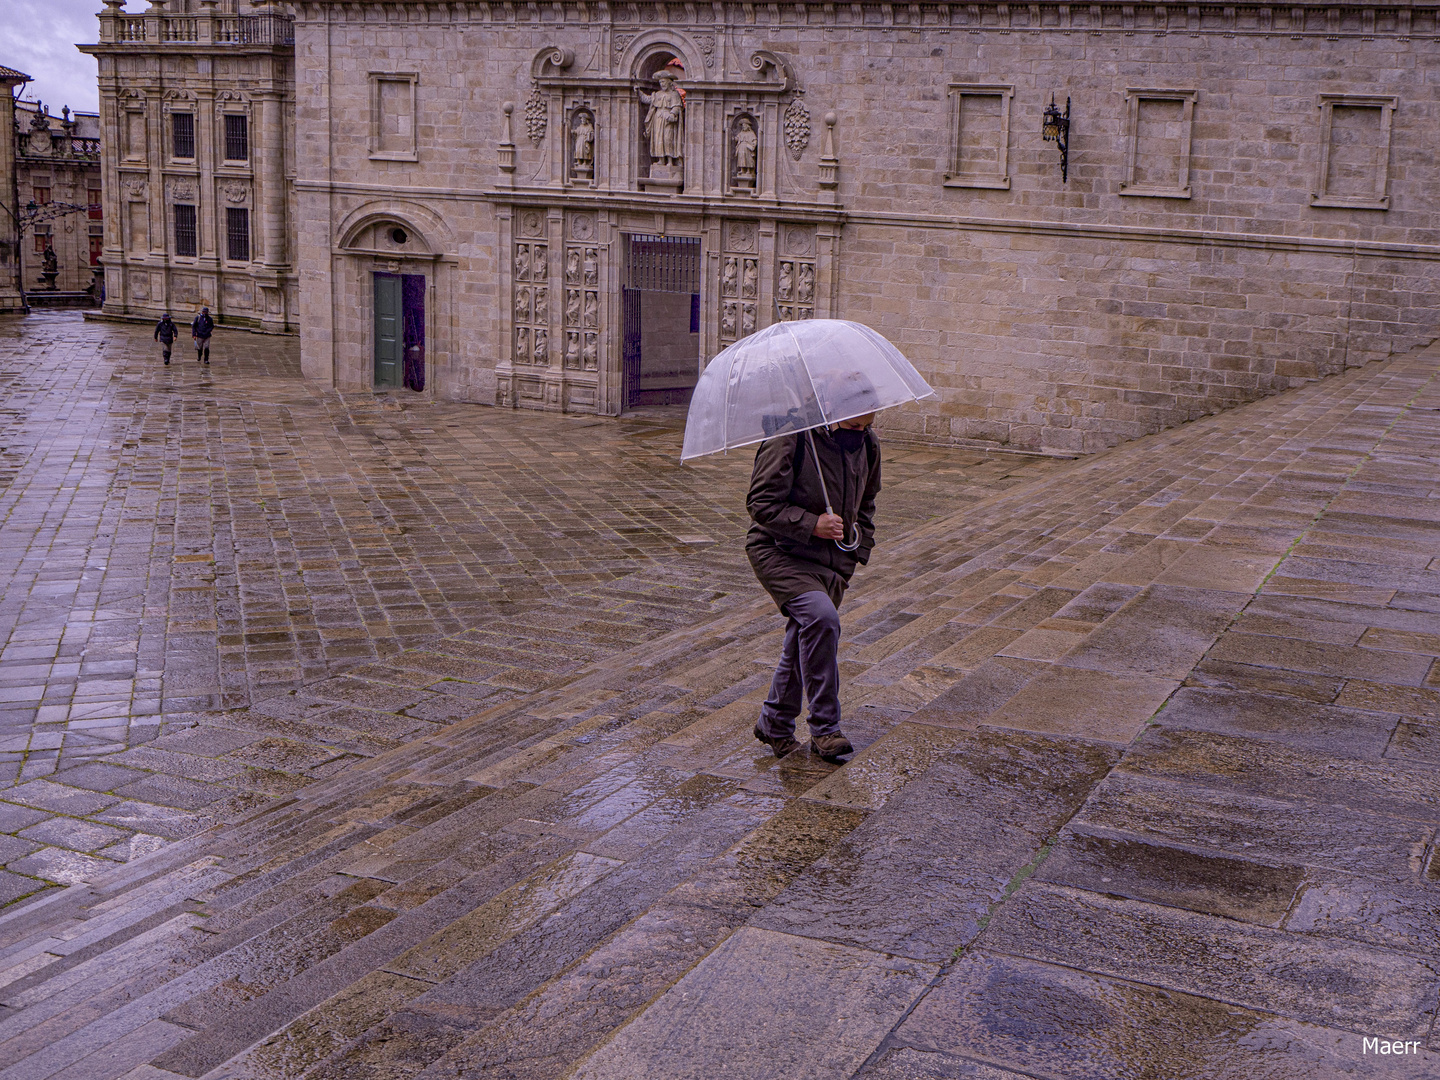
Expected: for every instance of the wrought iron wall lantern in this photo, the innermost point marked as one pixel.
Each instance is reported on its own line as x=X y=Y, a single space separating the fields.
x=1057 y=130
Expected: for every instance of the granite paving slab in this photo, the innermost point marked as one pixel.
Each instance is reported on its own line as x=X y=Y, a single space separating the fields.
x=1270 y=886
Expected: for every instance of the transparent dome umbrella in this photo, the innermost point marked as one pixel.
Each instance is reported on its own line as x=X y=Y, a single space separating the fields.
x=792 y=377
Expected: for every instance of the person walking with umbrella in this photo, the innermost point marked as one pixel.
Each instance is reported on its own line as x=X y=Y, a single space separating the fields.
x=807 y=392
x=798 y=550
x=166 y=332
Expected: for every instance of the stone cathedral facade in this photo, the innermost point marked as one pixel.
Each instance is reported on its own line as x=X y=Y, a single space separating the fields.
x=574 y=204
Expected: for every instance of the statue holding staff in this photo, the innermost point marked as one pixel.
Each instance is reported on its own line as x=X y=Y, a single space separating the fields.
x=664 y=119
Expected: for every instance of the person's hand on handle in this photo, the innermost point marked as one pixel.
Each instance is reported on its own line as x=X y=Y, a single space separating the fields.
x=830 y=527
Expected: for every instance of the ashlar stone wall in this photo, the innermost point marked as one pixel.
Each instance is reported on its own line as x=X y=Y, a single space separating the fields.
x=1250 y=197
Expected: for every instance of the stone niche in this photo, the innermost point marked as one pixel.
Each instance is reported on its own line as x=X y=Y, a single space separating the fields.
x=736 y=172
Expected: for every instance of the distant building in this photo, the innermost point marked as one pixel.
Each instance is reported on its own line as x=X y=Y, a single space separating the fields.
x=11 y=299
x=57 y=163
x=574 y=206
x=197 y=110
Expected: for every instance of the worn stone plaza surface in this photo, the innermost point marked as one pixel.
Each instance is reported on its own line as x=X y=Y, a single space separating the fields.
x=180 y=542
x=1145 y=786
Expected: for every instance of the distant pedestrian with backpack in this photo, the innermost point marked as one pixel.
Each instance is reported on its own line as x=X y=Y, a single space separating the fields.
x=200 y=330
x=166 y=332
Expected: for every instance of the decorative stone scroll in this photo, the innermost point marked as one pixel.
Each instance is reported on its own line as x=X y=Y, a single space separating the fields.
x=797 y=127
x=537 y=116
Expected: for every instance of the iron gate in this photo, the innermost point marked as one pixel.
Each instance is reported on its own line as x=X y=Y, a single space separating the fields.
x=667 y=264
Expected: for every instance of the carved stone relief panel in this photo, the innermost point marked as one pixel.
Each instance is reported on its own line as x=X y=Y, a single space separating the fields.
x=739 y=281
x=531 y=291
x=795 y=273
x=582 y=296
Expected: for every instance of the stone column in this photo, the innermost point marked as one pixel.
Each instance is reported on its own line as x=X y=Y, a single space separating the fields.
x=271 y=172
x=11 y=298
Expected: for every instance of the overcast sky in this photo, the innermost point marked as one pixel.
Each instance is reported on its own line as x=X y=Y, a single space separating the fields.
x=38 y=37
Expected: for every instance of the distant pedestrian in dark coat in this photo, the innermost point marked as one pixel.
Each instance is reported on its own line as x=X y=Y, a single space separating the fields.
x=792 y=550
x=200 y=330
x=166 y=332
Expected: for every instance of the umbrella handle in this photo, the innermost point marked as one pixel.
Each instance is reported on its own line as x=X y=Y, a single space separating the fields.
x=843 y=545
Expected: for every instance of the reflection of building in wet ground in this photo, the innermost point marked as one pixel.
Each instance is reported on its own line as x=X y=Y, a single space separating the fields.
x=1143 y=746
x=1249 y=203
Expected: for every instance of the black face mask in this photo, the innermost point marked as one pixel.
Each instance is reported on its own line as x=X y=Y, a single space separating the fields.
x=849 y=439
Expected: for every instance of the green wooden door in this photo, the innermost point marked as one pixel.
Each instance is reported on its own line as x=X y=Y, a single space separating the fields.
x=388 y=338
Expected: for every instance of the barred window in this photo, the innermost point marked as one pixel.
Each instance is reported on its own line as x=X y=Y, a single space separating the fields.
x=237 y=233
x=182 y=131
x=237 y=137
x=184 y=229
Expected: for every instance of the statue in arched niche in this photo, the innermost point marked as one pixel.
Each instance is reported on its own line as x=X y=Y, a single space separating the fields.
x=747 y=144
x=582 y=157
x=665 y=116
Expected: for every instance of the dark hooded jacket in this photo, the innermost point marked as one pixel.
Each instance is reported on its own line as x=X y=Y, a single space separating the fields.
x=203 y=326
x=785 y=503
x=165 y=331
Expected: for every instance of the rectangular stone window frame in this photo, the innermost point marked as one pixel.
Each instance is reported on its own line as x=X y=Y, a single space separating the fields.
x=129 y=151
x=376 y=79
x=1133 y=97
x=235 y=137
x=1327 y=102
x=1000 y=179
x=182 y=134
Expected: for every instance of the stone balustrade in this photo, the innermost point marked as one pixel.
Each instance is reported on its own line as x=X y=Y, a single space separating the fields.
x=266 y=29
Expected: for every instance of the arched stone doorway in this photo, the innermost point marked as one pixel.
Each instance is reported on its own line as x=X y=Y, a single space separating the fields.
x=389 y=266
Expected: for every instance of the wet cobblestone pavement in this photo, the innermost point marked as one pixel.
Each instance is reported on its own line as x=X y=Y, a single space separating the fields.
x=1145 y=786
x=179 y=542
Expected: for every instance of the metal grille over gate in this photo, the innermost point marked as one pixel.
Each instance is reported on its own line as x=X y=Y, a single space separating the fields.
x=668 y=264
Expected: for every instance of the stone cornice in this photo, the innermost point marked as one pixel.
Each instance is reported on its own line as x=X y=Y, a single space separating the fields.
x=612 y=201
x=946 y=222
x=1360 y=20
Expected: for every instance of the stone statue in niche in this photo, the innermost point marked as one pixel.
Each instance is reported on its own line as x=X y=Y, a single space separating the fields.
x=750 y=282
x=729 y=277
x=572 y=307
x=572 y=266
x=786 y=284
x=522 y=261
x=727 y=321
x=665 y=118
x=522 y=305
x=747 y=319
x=582 y=154
x=805 y=293
x=539 y=265
x=592 y=309
x=572 y=349
x=522 y=344
x=591 y=351
x=592 y=266
x=542 y=347
x=747 y=144
x=542 y=305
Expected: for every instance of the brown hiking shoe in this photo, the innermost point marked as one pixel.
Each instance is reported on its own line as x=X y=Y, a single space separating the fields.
x=780 y=744
x=831 y=746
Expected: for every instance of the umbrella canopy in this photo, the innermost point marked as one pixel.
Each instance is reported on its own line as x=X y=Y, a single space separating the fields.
x=793 y=376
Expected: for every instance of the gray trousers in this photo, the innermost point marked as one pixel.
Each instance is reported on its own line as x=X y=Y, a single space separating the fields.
x=807 y=666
